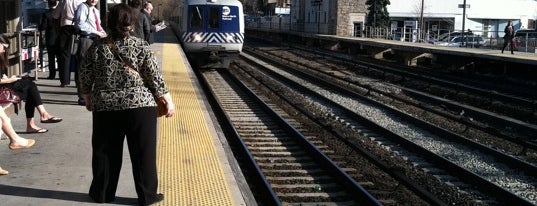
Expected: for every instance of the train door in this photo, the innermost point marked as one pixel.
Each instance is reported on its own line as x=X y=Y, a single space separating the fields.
x=223 y=24
x=222 y=18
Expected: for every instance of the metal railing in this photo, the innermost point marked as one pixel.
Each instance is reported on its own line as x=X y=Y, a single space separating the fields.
x=492 y=39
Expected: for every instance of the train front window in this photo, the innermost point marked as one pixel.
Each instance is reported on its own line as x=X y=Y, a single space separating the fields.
x=196 y=17
x=214 y=17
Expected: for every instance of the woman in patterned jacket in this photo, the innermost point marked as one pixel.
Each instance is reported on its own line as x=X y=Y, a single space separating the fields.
x=122 y=101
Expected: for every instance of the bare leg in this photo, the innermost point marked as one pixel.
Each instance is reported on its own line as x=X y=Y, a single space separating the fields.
x=31 y=126
x=43 y=112
x=44 y=115
x=14 y=138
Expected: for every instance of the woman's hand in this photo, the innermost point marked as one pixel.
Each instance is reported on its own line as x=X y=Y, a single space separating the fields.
x=170 y=107
x=87 y=99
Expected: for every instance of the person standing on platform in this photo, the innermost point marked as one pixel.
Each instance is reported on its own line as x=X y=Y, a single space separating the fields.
x=89 y=22
x=508 y=37
x=120 y=79
x=149 y=35
x=143 y=25
x=66 y=14
x=52 y=29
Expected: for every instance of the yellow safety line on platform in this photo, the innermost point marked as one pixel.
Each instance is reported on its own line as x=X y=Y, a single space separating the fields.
x=188 y=166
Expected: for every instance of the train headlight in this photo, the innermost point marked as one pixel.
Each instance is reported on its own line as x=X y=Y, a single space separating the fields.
x=196 y=37
x=229 y=38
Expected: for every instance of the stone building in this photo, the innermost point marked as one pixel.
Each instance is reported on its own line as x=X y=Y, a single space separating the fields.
x=334 y=17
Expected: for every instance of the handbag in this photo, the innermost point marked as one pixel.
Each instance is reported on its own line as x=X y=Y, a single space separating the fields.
x=161 y=107
x=7 y=95
x=515 y=43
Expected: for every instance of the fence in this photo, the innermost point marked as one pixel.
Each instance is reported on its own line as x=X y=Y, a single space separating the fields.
x=491 y=39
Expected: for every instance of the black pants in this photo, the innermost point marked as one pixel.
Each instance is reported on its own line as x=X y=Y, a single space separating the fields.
x=64 y=55
x=510 y=42
x=83 y=46
x=52 y=52
x=32 y=100
x=27 y=90
x=109 y=131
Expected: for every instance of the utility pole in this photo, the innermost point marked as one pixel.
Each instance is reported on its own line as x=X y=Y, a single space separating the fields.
x=422 y=35
x=374 y=14
x=463 y=18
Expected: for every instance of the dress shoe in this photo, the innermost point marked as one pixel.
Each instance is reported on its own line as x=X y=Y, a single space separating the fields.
x=63 y=85
x=30 y=143
x=51 y=78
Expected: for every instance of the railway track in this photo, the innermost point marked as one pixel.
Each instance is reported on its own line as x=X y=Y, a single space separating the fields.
x=511 y=135
x=429 y=146
x=290 y=169
x=507 y=106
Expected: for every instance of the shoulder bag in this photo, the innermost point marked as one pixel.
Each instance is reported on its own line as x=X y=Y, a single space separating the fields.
x=161 y=107
x=7 y=95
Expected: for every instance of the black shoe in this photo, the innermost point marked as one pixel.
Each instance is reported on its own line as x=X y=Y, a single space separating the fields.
x=81 y=102
x=100 y=200
x=157 y=199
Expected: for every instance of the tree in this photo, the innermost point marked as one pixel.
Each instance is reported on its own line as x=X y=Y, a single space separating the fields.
x=378 y=15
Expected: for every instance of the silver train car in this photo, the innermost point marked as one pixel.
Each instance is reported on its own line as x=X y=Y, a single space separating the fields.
x=212 y=31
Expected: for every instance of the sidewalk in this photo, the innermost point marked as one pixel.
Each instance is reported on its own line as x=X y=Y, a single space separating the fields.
x=57 y=170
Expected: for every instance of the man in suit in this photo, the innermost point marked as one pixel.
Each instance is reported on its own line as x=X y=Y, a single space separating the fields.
x=88 y=21
x=148 y=35
x=66 y=14
x=52 y=29
x=143 y=25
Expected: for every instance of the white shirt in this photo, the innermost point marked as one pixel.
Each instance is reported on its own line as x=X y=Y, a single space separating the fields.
x=66 y=11
x=86 y=20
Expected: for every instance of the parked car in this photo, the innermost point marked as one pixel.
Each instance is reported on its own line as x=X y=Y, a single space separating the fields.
x=460 y=41
x=448 y=35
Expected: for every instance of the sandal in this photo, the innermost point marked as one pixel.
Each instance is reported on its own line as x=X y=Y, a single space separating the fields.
x=52 y=120
x=30 y=143
x=3 y=172
x=40 y=130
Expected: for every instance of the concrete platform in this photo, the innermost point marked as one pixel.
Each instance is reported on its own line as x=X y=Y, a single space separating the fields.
x=57 y=170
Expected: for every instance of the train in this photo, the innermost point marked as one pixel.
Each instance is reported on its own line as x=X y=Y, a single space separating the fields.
x=212 y=32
